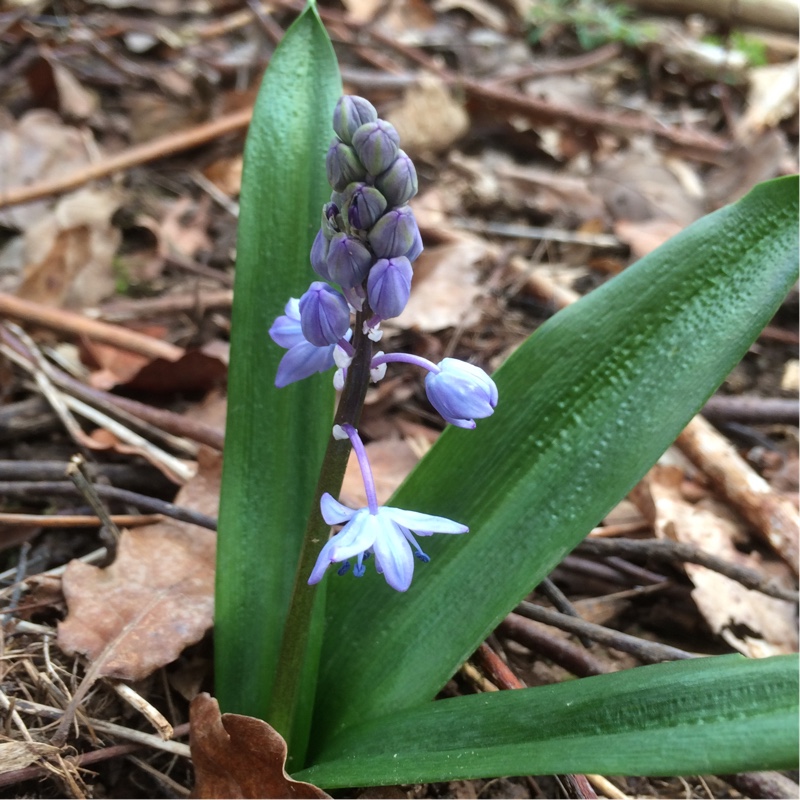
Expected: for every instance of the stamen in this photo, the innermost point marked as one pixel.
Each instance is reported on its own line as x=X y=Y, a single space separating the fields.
x=344 y=568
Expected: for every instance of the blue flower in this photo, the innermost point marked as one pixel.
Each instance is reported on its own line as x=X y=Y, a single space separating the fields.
x=460 y=392
x=303 y=358
x=386 y=534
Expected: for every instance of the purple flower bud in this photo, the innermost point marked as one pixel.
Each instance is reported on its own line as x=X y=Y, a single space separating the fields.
x=329 y=225
x=348 y=260
x=324 y=314
x=416 y=247
x=460 y=392
x=343 y=166
x=319 y=255
x=350 y=114
x=375 y=143
x=399 y=183
x=389 y=285
x=395 y=234
x=365 y=206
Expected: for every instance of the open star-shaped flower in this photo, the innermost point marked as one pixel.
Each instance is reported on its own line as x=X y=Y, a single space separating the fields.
x=386 y=534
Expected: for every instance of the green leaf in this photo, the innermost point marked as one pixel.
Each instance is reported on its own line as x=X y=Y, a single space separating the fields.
x=705 y=716
x=587 y=405
x=275 y=437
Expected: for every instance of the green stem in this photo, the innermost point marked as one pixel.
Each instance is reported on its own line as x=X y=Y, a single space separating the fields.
x=297 y=644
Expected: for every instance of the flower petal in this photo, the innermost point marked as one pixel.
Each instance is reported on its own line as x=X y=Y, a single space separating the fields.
x=322 y=563
x=357 y=536
x=423 y=524
x=301 y=361
x=393 y=557
x=286 y=332
x=333 y=512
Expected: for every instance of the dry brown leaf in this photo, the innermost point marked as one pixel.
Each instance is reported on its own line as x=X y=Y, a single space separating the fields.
x=486 y=13
x=18 y=755
x=361 y=11
x=184 y=228
x=238 y=756
x=772 y=98
x=69 y=252
x=37 y=147
x=445 y=286
x=157 y=598
x=751 y=622
x=644 y=237
x=428 y=118
x=640 y=183
x=226 y=174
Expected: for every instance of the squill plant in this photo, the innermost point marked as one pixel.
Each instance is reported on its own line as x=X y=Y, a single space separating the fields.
x=347 y=669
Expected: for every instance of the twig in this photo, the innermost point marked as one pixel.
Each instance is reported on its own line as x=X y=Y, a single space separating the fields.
x=10 y=707
x=743 y=408
x=34 y=364
x=495 y=668
x=763 y=784
x=177 y=424
x=131 y=157
x=173 y=466
x=22 y=568
x=773 y=517
x=86 y=488
x=174 y=788
x=651 y=652
x=148 y=739
x=606 y=788
x=76 y=520
x=80 y=325
x=541 y=640
x=562 y=66
x=668 y=550
x=122 y=310
x=149 y=712
x=534 y=232
x=560 y=601
x=66 y=489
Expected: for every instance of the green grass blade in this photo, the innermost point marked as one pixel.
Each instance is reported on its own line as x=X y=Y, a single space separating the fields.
x=275 y=437
x=706 y=716
x=587 y=405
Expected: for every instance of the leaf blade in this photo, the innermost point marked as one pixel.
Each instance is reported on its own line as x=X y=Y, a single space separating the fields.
x=275 y=437
x=705 y=716
x=596 y=395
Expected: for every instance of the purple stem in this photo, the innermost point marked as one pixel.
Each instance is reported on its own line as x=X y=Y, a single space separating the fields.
x=363 y=463
x=405 y=358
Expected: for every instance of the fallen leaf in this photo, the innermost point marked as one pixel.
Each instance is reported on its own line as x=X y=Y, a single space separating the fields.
x=445 y=286
x=184 y=227
x=238 y=756
x=36 y=148
x=428 y=118
x=54 y=86
x=18 y=755
x=752 y=623
x=157 y=598
x=772 y=98
x=644 y=237
x=70 y=251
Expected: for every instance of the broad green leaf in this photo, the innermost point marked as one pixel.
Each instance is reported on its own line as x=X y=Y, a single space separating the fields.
x=587 y=405
x=705 y=716
x=275 y=437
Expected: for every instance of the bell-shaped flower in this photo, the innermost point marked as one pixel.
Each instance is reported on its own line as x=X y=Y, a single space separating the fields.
x=343 y=166
x=395 y=234
x=461 y=392
x=389 y=286
x=350 y=114
x=303 y=358
x=376 y=145
x=386 y=534
x=399 y=183
x=348 y=261
x=324 y=314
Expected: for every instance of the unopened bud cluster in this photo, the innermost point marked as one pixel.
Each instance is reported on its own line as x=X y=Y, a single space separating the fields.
x=367 y=242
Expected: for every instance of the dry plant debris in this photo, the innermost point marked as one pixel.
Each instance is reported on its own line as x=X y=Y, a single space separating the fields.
x=545 y=168
x=238 y=756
